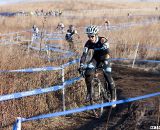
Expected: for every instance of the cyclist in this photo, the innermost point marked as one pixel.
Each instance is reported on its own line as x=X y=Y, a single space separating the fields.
x=107 y=23
x=35 y=32
x=101 y=53
x=69 y=35
x=60 y=27
x=70 y=32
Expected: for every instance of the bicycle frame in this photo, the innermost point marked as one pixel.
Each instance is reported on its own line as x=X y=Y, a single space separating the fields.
x=99 y=91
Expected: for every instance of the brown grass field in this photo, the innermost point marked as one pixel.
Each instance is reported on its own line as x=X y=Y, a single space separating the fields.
x=121 y=41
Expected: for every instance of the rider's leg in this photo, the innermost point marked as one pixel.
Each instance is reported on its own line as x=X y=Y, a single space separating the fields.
x=111 y=84
x=89 y=75
x=71 y=45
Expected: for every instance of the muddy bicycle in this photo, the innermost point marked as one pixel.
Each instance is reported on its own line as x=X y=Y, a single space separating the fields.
x=100 y=92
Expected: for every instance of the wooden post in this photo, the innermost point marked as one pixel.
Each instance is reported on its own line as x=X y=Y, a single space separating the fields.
x=42 y=32
x=158 y=120
x=63 y=91
x=135 y=55
x=48 y=53
x=18 y=124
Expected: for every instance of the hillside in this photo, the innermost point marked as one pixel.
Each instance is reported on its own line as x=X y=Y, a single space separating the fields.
x=131 y=26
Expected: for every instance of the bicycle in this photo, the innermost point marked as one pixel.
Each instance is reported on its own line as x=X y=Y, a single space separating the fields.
x=100 y=92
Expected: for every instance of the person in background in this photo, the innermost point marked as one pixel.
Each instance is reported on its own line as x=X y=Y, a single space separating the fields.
x=35 y=32
x=69 y=36
x=107 y=23
x=60 y=27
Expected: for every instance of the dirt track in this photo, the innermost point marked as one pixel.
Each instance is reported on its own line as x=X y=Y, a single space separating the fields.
x=138 y=115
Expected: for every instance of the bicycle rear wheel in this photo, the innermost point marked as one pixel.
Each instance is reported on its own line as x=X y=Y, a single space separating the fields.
x=97 y=96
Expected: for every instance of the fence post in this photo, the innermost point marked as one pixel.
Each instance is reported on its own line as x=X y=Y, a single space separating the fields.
x=135 y=55
x=17 y=37
x=32 y=39
x=158 y=120
x=63 y=90
x=17 y=125
x=10 y=38
x=48 y=52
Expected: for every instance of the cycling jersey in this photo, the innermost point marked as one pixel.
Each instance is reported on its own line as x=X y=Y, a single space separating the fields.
x=69 y=34
x=35 y=31
x=101 y=49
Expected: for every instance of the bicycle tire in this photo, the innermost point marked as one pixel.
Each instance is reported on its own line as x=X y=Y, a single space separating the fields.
x=97 y=97
x=106 y=93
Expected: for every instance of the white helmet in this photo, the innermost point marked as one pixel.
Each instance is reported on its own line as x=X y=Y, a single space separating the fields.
x=34 y=26
x=92 y=30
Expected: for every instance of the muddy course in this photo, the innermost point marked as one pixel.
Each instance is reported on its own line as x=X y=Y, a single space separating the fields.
x=130 y=82
x=139 y=115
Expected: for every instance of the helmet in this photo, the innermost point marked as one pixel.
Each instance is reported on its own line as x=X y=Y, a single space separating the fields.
x=92 y=30
x=34 y=26
x=71 y=27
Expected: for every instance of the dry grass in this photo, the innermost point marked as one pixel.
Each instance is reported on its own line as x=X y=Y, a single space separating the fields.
x=110 y=9
x=145 y=35
x=17 y=57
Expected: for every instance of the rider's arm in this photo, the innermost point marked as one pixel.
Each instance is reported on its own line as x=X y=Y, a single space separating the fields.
x=76 y=33
x=84 y=55
x=37 y=30
x=105 y=48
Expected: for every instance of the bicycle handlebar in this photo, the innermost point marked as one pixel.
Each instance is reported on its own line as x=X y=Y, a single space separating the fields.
x=83 y=69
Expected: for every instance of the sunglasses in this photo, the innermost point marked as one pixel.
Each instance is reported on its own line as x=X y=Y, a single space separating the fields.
x=91 y=36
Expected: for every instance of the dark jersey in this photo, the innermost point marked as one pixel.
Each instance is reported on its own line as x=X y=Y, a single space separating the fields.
x=101 y=49
x=69 y=34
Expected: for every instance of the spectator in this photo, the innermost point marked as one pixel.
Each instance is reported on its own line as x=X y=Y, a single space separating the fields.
x=35 y=32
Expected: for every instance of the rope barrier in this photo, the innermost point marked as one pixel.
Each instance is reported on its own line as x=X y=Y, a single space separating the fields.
x=31 y=70
x=85 y=108
x=38 y=91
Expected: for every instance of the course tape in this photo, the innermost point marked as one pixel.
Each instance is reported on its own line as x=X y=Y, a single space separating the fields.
x=56 y=39
x=30 y=70
x=54 y=34
x=37 y=91
x=150 y=48
x=86 y=108
x=71 y=62
x=151 y=61
x=11 y=33
x=54 y=45
x=49 y=68
x=8 y=43
x=127 y=25
x=36 y=48
x=57 y=50
x=52 y=48
x=70 y=15
x=140 y=46
x=60 y=57
x=137 y=60
x=124 y=25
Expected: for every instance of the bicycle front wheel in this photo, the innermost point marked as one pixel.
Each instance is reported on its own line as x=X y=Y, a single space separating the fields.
x=97 y=97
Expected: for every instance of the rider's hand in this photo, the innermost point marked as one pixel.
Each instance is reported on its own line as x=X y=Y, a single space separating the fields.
x=81 y=68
